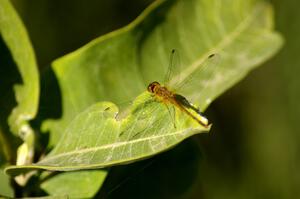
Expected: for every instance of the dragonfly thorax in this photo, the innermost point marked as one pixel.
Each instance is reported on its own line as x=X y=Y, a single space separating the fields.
x=159 y=90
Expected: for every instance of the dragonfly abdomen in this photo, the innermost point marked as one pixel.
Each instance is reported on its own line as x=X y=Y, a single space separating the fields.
x=191 y=110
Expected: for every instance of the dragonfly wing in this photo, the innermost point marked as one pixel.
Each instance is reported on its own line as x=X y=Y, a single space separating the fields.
x=171 y=110
x=149 y=119
x=173 y=68
x=199 y=80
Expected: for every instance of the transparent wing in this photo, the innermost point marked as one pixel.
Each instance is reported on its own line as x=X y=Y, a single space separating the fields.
x=145 y=120
x=198 y=81
x=173 y=68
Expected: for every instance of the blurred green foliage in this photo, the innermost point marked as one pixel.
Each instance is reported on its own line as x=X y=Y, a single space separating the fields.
x=253 y=150
x=261 y=153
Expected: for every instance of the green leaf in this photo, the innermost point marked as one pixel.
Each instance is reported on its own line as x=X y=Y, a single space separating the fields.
x=78 y=184
x=15 y=37
x=118 y=66
x=95 y=139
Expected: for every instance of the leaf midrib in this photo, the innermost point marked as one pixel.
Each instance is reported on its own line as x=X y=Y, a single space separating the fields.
x=113 y=145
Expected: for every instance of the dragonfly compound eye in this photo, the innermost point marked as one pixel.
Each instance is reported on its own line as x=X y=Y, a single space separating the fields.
x=152 y=86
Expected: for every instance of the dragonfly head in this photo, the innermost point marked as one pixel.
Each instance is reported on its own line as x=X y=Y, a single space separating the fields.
x=153 y=86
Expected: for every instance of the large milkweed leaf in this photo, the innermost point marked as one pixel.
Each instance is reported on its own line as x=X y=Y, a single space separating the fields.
x=118 y=66
x=97 y=139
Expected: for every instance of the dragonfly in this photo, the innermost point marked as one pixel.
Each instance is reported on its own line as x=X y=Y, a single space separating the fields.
x=167 y=96
x=146 y=120
x=147 y=117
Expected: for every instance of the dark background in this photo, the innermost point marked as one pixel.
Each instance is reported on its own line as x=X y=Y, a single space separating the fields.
x=253 y=149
